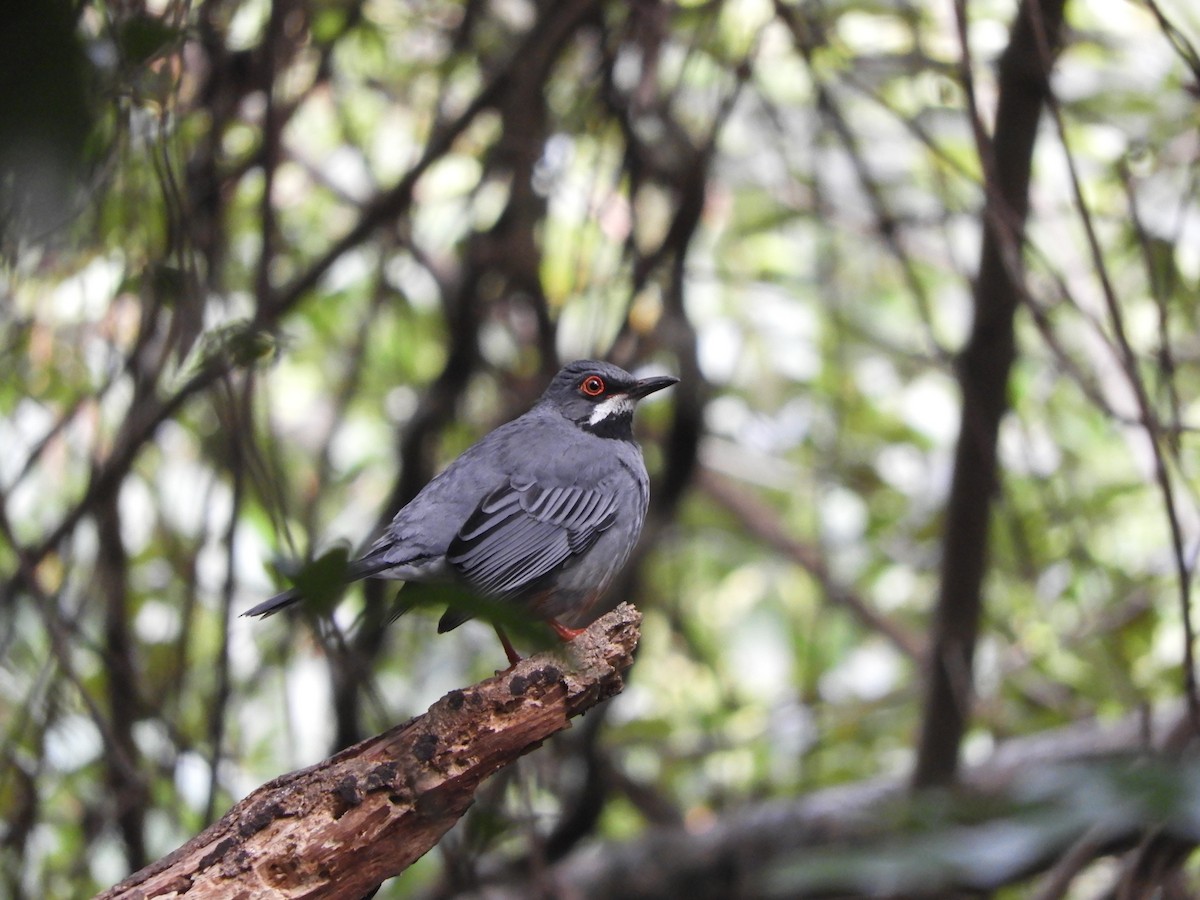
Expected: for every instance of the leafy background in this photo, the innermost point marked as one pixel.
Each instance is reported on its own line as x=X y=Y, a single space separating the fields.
x=268 y=266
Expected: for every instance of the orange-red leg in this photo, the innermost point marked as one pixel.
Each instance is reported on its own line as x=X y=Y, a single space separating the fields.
x=564 y=633
x=513 y=656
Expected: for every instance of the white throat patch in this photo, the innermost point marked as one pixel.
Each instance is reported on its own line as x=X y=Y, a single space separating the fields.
x=612 y=407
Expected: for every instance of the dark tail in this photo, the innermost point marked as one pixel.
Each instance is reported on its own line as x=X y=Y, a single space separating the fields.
x=359 y=568
x=274 y=605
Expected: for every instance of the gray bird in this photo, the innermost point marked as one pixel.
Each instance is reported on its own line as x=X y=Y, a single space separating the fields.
x=542 y=512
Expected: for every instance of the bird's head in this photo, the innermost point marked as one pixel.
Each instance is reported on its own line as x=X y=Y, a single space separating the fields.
x=600 y=397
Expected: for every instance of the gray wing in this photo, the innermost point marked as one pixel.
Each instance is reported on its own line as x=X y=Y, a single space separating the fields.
x=522 y=531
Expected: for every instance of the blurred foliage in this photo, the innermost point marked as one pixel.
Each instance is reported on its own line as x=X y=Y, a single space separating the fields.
x=274 y=263
x=980 y=842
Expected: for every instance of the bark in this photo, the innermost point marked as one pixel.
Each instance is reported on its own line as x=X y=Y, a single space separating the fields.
x=343 y=826
x=983 y=378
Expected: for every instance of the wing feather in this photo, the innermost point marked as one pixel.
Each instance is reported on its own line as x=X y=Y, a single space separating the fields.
x=522 y=532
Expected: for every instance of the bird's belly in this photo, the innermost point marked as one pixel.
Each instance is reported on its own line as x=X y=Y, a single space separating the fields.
x=571 y=593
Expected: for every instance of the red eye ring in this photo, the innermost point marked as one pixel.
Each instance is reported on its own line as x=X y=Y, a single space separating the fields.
x=592 y=386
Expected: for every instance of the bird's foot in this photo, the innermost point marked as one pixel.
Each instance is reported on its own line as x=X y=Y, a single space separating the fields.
x=564 y=633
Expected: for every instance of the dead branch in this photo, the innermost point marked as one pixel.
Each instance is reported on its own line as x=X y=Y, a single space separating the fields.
x=341 y=827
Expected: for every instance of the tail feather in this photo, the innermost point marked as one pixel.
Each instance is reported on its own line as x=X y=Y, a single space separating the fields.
x=452 y=618
x=274 y=605
x=354 y=571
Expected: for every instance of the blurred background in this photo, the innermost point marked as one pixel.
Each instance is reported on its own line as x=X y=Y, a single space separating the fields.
x=268 y=266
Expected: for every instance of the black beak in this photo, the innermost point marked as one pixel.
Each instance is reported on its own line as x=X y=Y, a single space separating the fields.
x=646 y=386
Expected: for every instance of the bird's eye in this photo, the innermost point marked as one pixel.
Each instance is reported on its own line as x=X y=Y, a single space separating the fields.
x=593 y=386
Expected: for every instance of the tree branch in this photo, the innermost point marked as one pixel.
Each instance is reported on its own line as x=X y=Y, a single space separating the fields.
x=984 y=367
x=341 y=827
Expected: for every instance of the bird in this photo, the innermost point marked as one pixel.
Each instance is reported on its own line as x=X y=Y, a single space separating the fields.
x=541 y=512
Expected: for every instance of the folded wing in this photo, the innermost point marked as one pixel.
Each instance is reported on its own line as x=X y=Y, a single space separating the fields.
x=523 y=531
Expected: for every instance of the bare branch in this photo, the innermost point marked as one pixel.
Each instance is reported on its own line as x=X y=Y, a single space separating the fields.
x=1147 y=415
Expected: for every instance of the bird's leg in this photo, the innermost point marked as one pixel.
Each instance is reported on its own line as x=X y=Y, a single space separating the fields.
x=513 y=656
x=564 y=633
